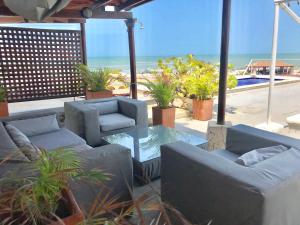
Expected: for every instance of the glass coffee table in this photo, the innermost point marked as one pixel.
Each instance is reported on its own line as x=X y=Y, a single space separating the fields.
x=145 y=143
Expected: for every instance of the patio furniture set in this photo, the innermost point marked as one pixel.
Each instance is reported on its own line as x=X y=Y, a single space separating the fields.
x=224 y=186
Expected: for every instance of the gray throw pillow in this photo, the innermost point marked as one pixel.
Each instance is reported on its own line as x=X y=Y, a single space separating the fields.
x=36 y=126
x=255 y=156
x=23 y=143
x=8 y=149
x=108 y=107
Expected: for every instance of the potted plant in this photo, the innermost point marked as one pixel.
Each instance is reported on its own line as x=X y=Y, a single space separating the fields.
x=202 y=85
x=42 y=195
x=163 y=92
x=3 y=102
x=98 y=83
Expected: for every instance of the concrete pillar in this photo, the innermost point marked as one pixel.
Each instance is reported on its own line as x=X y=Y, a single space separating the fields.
x=216 y=135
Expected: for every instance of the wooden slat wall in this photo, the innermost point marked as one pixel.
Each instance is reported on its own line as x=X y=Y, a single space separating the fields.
x=39 y=64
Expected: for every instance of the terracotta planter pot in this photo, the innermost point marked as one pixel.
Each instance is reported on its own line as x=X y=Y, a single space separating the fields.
x=76 y=214
x=203 y=109
x=165 y=117
x=99 y=94
x=3 y=109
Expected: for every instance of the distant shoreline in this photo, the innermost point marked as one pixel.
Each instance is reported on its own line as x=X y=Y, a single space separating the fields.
x=146 y=63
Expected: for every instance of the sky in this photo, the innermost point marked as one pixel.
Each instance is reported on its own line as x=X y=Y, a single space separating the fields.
x=178 y=27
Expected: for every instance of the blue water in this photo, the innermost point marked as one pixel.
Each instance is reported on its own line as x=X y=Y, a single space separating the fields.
x=145 y=63
x=251 y=81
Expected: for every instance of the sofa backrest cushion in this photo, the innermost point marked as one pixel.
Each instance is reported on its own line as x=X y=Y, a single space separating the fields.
x=36 y=126
x=35 y=114
x=108 y=107
x=24 y=144
x=8 y=148
x=242 y=139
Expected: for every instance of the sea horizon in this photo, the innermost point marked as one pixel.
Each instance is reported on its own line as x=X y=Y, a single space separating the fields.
x=146 y=63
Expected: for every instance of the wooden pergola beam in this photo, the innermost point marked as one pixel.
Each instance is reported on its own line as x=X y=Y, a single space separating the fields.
x=97 y=14
x=75 y=14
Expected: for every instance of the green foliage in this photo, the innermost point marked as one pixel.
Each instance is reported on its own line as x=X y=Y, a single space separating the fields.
x=162 y=91
x=193 y=78
x=2 y=93
x=99 y=79
x=34 y=198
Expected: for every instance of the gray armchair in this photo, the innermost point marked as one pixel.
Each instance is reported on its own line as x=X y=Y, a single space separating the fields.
x=94 y=119
x=207 y=186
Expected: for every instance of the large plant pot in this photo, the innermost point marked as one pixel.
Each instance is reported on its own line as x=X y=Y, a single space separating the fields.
x=165 y=117
x=76 y=215
x=203 y=109
x=99 y=94
x=3 y=109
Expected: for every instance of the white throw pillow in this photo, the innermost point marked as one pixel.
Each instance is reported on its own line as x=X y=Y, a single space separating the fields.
x=255 y=156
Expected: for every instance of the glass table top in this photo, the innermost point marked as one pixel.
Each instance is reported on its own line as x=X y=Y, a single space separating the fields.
x=145 y=143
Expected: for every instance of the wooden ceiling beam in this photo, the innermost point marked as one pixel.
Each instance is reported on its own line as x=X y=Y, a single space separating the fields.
x=11 y=19
x=101 y=3
x=128 y=5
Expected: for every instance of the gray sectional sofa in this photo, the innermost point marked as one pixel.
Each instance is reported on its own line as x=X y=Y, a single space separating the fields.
x=45 y=133
x=94 y=119
x=212 y=186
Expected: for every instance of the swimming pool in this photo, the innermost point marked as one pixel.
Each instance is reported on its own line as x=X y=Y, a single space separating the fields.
x=251 y=81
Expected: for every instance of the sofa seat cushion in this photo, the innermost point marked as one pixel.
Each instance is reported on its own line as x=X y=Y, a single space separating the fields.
x=226 y=154
x=115 y=121
x=58 y=139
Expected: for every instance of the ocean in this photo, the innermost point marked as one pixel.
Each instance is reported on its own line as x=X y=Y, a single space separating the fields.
x=145 y=63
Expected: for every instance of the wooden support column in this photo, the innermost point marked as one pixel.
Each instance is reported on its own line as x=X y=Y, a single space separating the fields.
x=83 y=43
x=224 y=61
x=133 y=78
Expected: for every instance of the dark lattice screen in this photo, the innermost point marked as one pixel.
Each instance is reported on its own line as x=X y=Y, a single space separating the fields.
x=39 y=64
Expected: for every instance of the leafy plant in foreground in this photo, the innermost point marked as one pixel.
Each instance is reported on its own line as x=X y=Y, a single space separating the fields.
x=34 y=198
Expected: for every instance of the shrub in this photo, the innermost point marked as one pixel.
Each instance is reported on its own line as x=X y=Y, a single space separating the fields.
x=162 y=91
x=2 y=94
x=99 y=79
x=193 y=78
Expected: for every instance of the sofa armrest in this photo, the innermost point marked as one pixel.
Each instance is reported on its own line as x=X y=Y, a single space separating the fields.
x=113 y=159
x=205 y=186
x=134 y=109
x=83 y=120
x=242 y=139
x=15 y=169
